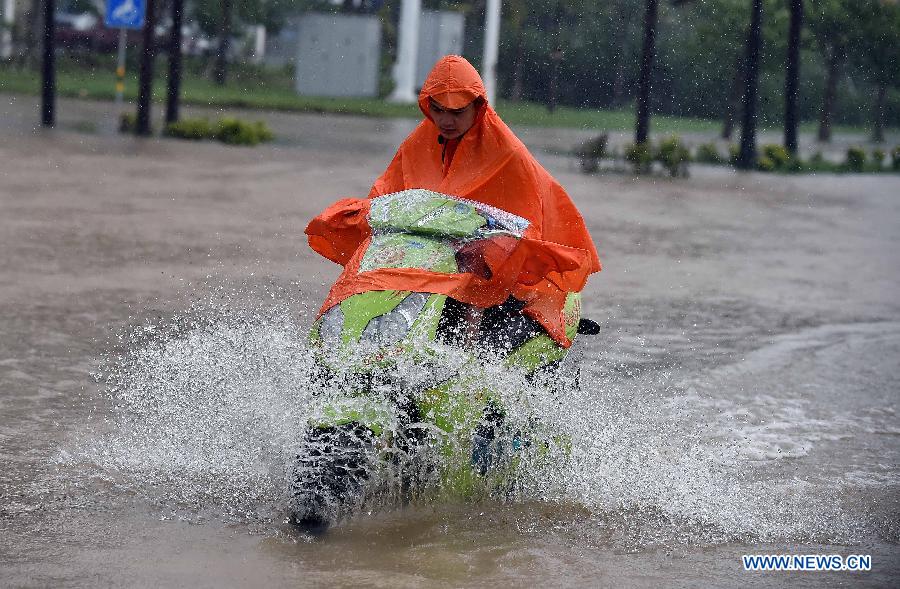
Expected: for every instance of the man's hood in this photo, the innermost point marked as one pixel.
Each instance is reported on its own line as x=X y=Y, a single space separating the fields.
x=453 y=83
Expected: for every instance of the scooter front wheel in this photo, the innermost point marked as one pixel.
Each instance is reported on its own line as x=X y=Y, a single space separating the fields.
x=330 y=474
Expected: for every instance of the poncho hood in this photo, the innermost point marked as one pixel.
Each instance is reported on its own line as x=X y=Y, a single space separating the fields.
x=453 y=83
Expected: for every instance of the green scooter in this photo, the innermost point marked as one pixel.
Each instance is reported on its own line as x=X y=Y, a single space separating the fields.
x=410 y=402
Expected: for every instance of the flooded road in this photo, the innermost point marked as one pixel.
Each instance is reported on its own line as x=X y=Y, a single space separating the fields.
x=742 y=397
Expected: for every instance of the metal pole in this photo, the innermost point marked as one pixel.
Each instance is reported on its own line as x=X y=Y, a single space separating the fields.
x=145 y=86
x=407 y=51
x=491 y=48
x=174 y=88
x=48 y=96
x=9 y=10
x=120 y=70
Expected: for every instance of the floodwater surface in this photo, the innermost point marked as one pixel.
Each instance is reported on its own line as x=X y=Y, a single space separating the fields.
x=742 y=397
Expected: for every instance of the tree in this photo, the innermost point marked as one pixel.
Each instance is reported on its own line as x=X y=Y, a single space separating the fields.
x=648 y=52
x=875 y=48
x=622 y=15
x=221 y=70
x=556 y=55
x=829 y=23
x=29 y=54
x=703 y=47
x=747 y=154
x=792 y=77
x=516 y=14
x=224 y=18
x=271 y=13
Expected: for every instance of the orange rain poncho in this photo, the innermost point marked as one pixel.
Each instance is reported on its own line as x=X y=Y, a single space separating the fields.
x=490 y=165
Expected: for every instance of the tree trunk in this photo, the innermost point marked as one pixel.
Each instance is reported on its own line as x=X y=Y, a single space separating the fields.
x=48 y=86
x=834 y=66
x=734 y=98
x=747 y=155
x=174 y=87
x=878 y=126
x=145 y=79
x=221 y=71
x=792 y=78
x=642 y=132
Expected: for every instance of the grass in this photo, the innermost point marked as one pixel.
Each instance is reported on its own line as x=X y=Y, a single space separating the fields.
x=254 y=88
x=536 y=115
x=272 y=92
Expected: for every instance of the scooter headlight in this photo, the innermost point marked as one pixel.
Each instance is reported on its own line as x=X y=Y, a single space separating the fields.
x=390 y=329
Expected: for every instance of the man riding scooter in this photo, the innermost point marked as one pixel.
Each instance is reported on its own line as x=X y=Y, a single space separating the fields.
x=464 y=240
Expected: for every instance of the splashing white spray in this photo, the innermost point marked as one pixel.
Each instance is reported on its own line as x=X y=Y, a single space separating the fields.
x=209 y=408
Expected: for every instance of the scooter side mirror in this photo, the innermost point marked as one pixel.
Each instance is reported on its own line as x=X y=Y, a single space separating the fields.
x=588 y=327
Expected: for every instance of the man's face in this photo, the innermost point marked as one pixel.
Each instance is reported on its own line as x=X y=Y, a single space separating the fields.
x=452 y=122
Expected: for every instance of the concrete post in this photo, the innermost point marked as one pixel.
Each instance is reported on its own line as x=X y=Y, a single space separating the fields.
x=259 y=45
x=407 y=51
x=491 y=47
x=9 y=9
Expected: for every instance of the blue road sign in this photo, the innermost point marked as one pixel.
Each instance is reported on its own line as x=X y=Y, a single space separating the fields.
x=125 y=14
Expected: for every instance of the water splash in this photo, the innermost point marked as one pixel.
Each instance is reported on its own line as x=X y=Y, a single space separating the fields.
x=209 y=407
x=206 y=406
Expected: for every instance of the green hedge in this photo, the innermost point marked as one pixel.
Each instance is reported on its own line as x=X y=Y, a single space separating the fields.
x=775 y=158
x=856 y=159
x=229 y=130
x=236 y=132
x=640 y=156
x=192 y=129
x=673 y=155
